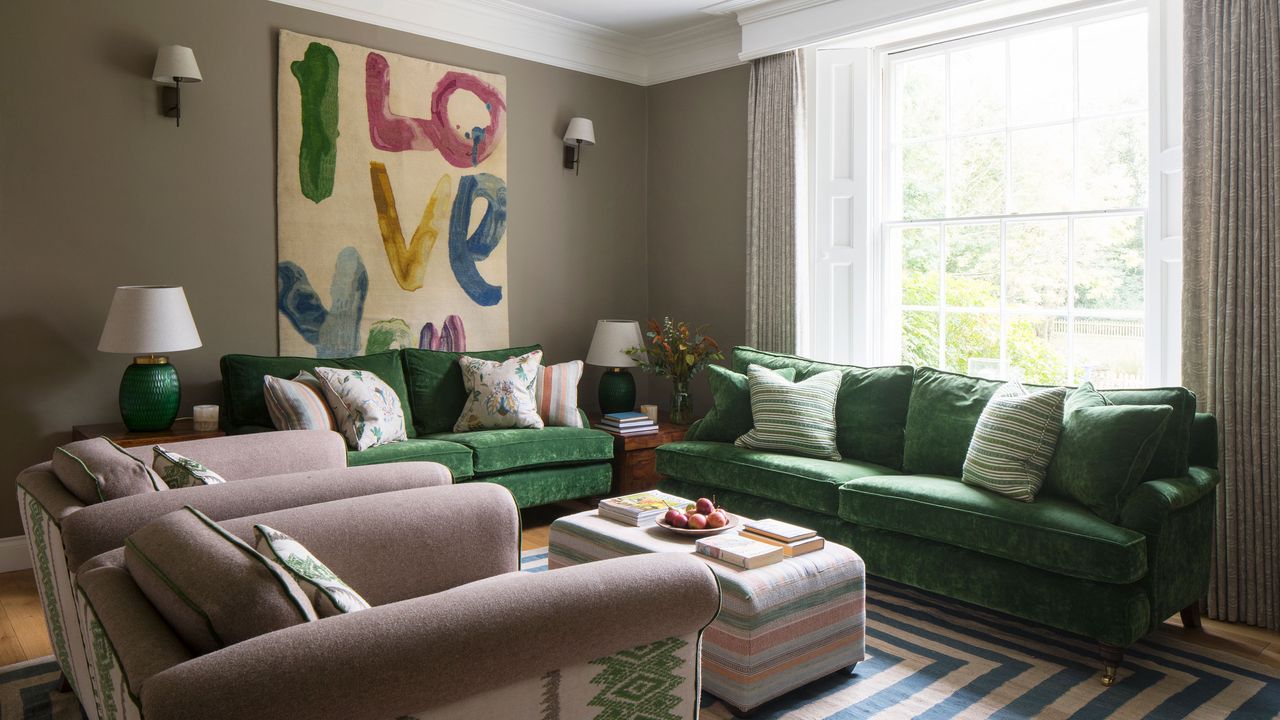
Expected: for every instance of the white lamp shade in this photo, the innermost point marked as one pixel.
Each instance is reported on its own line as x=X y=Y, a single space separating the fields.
x=580 y=129
x=176 y=63
x=611 y=341
x=148 y=320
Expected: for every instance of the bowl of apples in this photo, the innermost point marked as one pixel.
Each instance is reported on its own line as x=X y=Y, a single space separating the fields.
x=700 y=518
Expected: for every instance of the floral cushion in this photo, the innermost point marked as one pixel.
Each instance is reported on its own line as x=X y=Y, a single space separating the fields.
x=367 y=410
x=179 y=471
x=500 y=394
x=557 y=394
x=330 y=595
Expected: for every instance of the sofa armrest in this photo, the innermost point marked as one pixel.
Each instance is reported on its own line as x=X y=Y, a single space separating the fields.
x=98 y=528
x=237 y=457
x=1155 y=500
x=1204 y=440
x=401 y=545
x=427 y=652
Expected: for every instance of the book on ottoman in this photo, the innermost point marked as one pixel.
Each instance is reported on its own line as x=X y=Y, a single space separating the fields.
x=778 y=530
x=640 y=508
x=790 y=549
x=741 y=551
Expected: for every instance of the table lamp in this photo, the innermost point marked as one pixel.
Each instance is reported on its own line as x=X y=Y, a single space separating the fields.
x=145 y=321
x=609 y=349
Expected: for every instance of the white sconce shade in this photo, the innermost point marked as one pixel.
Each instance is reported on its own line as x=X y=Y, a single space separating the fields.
x=175 y=64
x=611 y=341
x=148 y=320
x=580 y=131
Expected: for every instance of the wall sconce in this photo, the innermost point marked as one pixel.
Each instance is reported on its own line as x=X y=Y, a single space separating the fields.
x=581 y=132
x=175 y=65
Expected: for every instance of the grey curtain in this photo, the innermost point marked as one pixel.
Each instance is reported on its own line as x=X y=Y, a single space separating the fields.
x=1231 y=285
x=774 y=120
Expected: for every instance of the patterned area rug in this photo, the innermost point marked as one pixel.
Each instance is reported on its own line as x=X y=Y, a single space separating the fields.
x=929 y=658
x=933 y=657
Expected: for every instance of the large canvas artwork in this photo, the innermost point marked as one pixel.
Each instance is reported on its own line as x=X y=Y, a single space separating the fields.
x=392 y=202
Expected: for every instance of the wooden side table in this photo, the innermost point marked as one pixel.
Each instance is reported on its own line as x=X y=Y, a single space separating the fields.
x=635 y=460
x=181 y=431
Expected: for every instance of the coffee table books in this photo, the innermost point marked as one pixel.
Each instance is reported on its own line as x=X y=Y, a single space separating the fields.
x=738 y=550
x=640 y=508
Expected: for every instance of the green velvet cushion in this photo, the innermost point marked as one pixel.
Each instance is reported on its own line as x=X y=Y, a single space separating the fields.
x=871 y=409
x=1171 y=456
x=451 y=455
x=245 y=400
x=730 y=418
x=1104 y=450
x=1050 y=534
x=436 y=392
x=540 y=486
x=945 y=408
x=496 y=451
x=803 y=482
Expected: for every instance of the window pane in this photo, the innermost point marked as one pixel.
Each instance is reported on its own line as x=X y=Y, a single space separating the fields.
x=1037 y=347
x=1040 y=162
x=973 y=341
x=1036 y=253
x=920 y=264
x=1109 y=352
x=923 y=180
x=921 y=96
x=1109 y=262
x=973 y=265
x=977 y=88
x=1041 y=73
x=1112 y=163
x=1113 y=65
x=977 y=175
x=920 y=338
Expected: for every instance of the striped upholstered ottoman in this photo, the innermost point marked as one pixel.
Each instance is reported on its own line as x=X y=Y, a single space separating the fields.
x=779 y=627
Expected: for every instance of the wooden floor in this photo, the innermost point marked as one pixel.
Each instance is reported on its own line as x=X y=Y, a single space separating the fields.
x=23 y=635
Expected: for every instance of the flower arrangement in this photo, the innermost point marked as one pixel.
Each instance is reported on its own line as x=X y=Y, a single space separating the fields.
x=678 y=351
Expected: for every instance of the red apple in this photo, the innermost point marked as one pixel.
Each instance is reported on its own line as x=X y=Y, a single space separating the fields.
x=705 y=506
x=697 y=521
x=717 y=519
x=675 y=518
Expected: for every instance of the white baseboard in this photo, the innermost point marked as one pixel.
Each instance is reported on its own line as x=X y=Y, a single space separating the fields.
x=14 y=554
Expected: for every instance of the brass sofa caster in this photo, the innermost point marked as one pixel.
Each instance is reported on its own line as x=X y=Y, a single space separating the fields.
x=1112 y=656
x=1108 y=675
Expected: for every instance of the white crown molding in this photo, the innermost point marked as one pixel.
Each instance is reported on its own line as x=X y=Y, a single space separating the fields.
x=14 y=554
x=510 y=28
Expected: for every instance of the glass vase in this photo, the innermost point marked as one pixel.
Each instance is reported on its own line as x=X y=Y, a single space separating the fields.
x=681 y=409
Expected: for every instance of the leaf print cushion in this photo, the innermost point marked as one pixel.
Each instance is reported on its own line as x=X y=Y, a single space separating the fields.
x=500 y=394
x=179 y=471
x=329 y=595
x=367 y=410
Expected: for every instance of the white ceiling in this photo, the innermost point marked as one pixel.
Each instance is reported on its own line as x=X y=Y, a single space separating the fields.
x=645 y=19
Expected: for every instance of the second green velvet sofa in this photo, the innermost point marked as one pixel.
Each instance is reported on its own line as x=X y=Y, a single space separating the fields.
x=537 y=466
x=896 y=499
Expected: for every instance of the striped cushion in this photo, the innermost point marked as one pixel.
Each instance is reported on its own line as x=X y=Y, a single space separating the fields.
x=798 y=418
x=1014 y=441
x=297 y=404
x=558 y=394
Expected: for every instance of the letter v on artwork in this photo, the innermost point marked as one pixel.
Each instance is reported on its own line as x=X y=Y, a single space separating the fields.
x=409 y=262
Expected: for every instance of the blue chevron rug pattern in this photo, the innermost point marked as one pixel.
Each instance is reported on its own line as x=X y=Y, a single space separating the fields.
x=934 y=658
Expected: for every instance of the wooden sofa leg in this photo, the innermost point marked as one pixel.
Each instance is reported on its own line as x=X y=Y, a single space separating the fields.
x=1191 y=616
x=1112 y=656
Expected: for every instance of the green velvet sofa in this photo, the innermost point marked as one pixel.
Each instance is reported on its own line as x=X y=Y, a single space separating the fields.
x=897 y=500
x=537 y=466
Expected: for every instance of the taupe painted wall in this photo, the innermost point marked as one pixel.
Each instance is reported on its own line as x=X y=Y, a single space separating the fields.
x=97 y=189
x=698 y=208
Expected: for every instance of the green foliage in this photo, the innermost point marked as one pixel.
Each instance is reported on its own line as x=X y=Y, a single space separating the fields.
x=675 y=350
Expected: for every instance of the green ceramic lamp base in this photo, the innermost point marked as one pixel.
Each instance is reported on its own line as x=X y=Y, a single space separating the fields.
x=617 y=391
x=149 y=394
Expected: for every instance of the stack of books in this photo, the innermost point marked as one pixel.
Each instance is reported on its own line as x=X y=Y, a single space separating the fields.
x=739 y=550
x=792 y=539
x=641 y=508
x=628 y=424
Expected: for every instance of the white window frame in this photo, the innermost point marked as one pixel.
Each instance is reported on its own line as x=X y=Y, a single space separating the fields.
x=845 y=278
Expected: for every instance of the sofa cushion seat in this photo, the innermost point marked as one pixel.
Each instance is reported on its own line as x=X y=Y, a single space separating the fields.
x=495 y=451
x=1051 y=534
x=452 y=455
x=803 y=482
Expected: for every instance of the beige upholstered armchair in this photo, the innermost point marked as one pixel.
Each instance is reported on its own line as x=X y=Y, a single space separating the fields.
x=286 y=469
x=454 y=631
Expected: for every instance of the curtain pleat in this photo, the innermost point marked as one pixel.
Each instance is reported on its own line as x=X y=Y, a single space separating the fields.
x=773 y=125
x=1231 y=285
